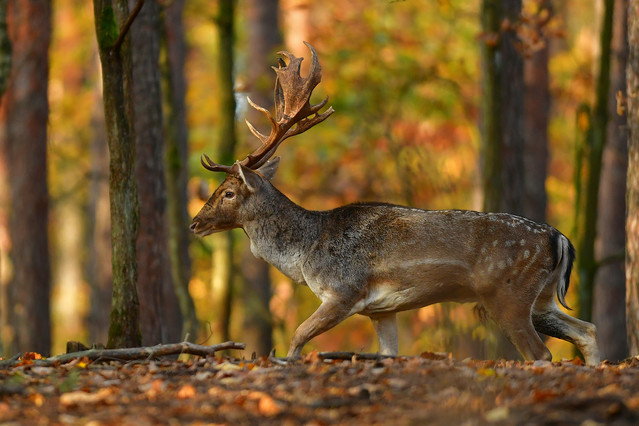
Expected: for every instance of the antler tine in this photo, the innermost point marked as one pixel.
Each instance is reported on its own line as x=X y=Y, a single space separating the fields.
x=214 y=167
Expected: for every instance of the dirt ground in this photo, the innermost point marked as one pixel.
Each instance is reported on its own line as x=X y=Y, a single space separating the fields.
x=431 y=389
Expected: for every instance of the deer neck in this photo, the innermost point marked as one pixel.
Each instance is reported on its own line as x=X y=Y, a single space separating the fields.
x=281 y=232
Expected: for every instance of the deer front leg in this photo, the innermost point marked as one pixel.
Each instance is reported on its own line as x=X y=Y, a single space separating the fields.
x=330 y=313
x=386 y=329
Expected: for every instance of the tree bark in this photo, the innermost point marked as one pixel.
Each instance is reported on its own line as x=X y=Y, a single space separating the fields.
x=176 y=161
x=536 y=115
x=491 y=108
x=512 y=109
x=632 y=198
x=609 y=314
x=115 y=55
x=264 y=40
x=223 y=275
x=27 y=112
x=502 y=121
x=5 y=48
x=160 y=318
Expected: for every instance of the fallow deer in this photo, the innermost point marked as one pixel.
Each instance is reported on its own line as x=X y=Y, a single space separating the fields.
x=378 y=259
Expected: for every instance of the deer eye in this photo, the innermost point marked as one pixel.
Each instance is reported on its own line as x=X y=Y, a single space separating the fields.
x=229 y=194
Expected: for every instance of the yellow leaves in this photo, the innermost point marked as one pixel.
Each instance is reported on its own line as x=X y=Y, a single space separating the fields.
x=497 y=414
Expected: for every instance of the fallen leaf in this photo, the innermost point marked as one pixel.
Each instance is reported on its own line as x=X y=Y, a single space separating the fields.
x=81 y=397
x=37 y=399
x=227 y=366
x=497 y=414
x=186 y=391
x=267 y=406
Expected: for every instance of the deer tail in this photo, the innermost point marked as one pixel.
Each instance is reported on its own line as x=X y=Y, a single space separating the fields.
x=566 y=257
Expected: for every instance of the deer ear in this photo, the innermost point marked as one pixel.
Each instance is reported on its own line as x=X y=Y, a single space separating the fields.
x=251 y=179
x=269 y=169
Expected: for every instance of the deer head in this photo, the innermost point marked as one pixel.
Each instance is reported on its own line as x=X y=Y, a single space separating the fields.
x=294 y=114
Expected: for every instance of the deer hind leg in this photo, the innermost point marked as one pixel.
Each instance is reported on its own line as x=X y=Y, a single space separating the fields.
x=515 y=321
x=386 y=329
x=553 y=322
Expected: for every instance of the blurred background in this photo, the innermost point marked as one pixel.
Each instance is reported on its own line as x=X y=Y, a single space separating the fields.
x=410 y=84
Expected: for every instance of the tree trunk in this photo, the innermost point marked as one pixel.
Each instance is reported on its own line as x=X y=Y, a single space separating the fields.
x=160 y=318
x=586 y=262
x=115 y=55
x=512 y=109
x=491 y=109
x=5 y=69
x=27 y=112
x=5 y=48
x=223 y=243
x=176 y=161
x=264 y=40
x=502 y=122
x=536 y=115
x=632 y=220
x=99 y=276
x=610 y=282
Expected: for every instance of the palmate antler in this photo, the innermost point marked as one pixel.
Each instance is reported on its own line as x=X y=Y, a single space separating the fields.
x=294 y=113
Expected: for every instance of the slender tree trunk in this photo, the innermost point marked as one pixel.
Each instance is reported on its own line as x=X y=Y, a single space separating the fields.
x=609 y=314
x=586 y=262
x=264 y=40
x=491 y=109
x=536 y=115
x=5 y=48
x=27 y=112
x=5 y=69
x=160 y=318
x=176 y=161
x=99 y=274
x=632 y=220
x=115 y=55
x=223 y=243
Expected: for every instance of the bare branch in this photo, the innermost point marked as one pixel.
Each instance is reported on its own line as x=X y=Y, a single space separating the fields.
x=130 y=354
x=127 y=25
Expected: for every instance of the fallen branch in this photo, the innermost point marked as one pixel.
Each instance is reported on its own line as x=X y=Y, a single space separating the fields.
x=131 y=354
x=349 y=356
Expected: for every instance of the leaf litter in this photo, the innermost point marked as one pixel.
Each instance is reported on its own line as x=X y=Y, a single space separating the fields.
x=319 y=389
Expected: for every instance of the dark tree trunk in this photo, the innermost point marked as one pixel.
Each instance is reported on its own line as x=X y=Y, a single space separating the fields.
x=115 y=55
x=160 y=318
x=27 y=112
x=536 y=114
x=264 y=40
x=632 y=220
x=512 y=109
x=5 y=48
x=176 y=161
x=609 y=314
x=502 y=120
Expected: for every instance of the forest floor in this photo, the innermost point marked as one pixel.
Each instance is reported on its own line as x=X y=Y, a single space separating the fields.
x=431 y=389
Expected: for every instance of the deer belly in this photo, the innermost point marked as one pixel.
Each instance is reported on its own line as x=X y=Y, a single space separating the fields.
x=417 y=287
